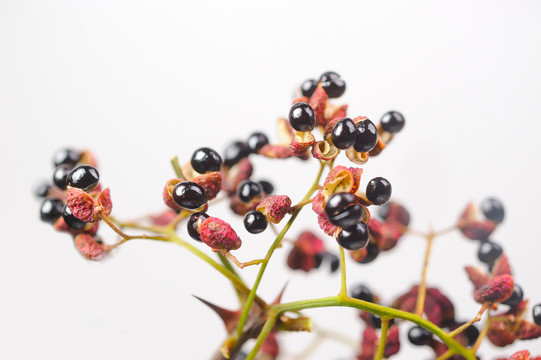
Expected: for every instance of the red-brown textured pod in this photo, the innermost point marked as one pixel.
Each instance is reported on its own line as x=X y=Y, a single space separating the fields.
x=89 y=248
x=235 y=175
x=301 y=142
x=318 y=102
x=305 y=251
x=496 y=289
x=167 y=194
x=219 y=235
x=274 y=207
x=324 y=150
x=210 y=182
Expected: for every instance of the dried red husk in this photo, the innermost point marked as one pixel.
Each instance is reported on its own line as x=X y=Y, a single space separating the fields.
x=232 y=177
x=219 y=235
x=270 y=348
x=82 y=205
x=496 y=289
x=301 y=142
x=167 y=194
x=274 y=207
x=89 y=248
x=304 y=252
x=477 y=276
x=318 y=102
x=211 y=183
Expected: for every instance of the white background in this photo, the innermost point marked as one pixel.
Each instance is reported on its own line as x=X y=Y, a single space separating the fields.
x=139 y=82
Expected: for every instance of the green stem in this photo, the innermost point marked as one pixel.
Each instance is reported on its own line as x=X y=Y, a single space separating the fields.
x=177 y=168
x=380 y=310
x=250 y=299
x=382 y=338
x=228 y=266
x=343 y=288
x=267 y=328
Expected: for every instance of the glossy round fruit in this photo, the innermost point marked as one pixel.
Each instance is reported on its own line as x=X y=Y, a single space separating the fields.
x=189 y=195
x=42 y=190
x=334 y=262
x=366 y=136
x=256 y=141
x=308 y=87
x=267 y=187
x=488 y=252
x=349 y=217
x=419 y=336
x=60 y=176
x=66 y=156
x=235 y=152
x=206 y=160
x=375 y=321
x=302 y=117
x=516 y=297
x=472 y=333
x=536 y=313
x=493 y=210
x=255 y=222
x=333 y=84
x=362 y=292
x=344 y=134
x=372 y=252
x=354 y=238
x=84 y=177
x=338 y=202
x=71 y=220
x=248 y=190
x=51 y=209
x=392 y=121
x=193 y=224
x=379 y=190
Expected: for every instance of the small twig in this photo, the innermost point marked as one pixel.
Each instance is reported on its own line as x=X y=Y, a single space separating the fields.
x=343 y=286
x=241 y=265
x=177 y=168
x=421 y=294
x=178 y=218
x=382 y=338
x=477 y=318
x=127 y=237
x=482 y=335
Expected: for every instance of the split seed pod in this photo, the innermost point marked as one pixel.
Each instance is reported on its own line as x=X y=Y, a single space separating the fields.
x=274 y=207
x=301 y=142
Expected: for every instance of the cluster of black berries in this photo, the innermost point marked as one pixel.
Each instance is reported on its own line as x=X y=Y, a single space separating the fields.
x=239 y=150
x=330 y=81
x=66 y=173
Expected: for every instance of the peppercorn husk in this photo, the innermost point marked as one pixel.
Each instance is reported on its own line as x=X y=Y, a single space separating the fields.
x=324 y=150
x=219 y=235
x=210 y=182
x=167 y=194
x=89 y=248
x=301 y=142
x=274 y=207
x=497 y=289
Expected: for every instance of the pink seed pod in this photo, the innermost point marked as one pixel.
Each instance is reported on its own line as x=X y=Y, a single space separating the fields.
x=528 y=330
x=89 y=248
x=276 y=151
x=356 y=157
x=219 y=235
x=369 y=344
x=478 y=230
x=167 y=194
x=274 y=207
x=318 y=203
x=501 y=332
x=343 y=179
x=318 y=102
x=301 y=142
x=324 y=150
x=495 y=290
x=164 y=218
x=501 y=266
x=333 y=114
x=211 y=183
x=306 y=249
x=104 y=201
x=398 y=213
x=520 y=355
x=477 y=276
x=380 y=145
x=84 y=207
x=326 y=226
x=232 y=177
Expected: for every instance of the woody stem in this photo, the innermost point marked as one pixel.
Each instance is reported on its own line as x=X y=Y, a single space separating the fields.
x=469 y=323
x=422 y=286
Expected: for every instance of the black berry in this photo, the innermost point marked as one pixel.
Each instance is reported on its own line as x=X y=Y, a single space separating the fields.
x=302 y=117
x=66 y=156
x=71 y=220
x=392 y=121
x=354 y=238
x=318 y=260
x=334 y=262
x=372 y=252
x=60 y=176
x=256 y=141
x=51 y=209
x=255 y=222
x=419 y=336
x=488 y=252
x=308 y=87
x=366 y=136
x=379 y=190
x=344 y=134
x=333 y=84
x=42 y=190
x=248 y=190
x=84 y=177
x=235 y=152
x=189 y=195
x=206 y=160
x=193 y=224
x=375 y=321
x=516 y=297
x=362 y=292
x=338 y=202
x=472 y=333
x=349 y=217
x=493 y=210
x=267 y=187
x=536 y=313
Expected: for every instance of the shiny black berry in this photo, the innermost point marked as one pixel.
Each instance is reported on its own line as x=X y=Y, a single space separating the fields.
x=419 y=336
x=334 y=262
x=235 y=152
x=354 y=238
x=472 y=333
x=344 y=134
x=189 y=195
x=349 y=217
x=366 y=136
x=66 y=156
x=516 y=297
x=362 y=292
x=488 y=252
x=42 y=190
x=375 y=321
x=536 y=313
x=71 y=220
x=493 y=210
x=333 y=84
x=51 y=209
x=379 y=190
x=256 y=141
x=392 y=121
x=84 y=177
x=206 y=160
x=255 y=222
x=372 y=252
x=60 y=176
x=267 y=187
x=302 y=117
x=248 y=190
x=308 y=87
x=193 y=224
x=338 y=202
